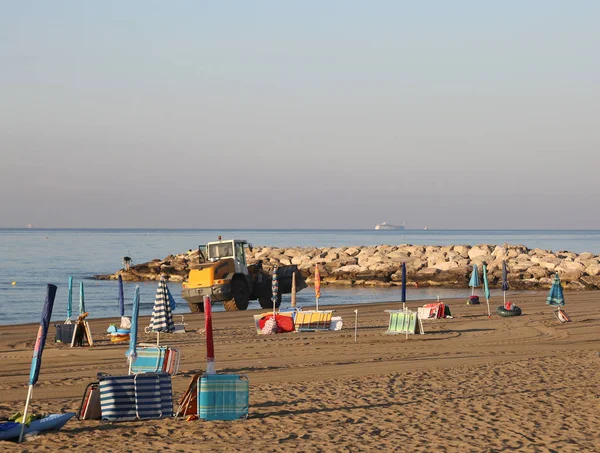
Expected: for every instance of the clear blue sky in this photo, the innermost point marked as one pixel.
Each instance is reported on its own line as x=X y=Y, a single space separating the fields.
x=311 y=114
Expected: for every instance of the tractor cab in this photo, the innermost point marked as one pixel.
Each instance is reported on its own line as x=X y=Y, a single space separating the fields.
x=231 y=249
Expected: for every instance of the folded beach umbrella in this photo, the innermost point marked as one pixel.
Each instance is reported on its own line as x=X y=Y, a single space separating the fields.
x=36 y=361
x=70 y=302
x=504 y=279
x=210 y=345
x=131 y=352
x=474 y=282
x=81 y=299
x=293 y=295
x=555 y=296
x=162 y=316
x=403 y=282
x=486 y=288
x=317 y=285
x=274 y=289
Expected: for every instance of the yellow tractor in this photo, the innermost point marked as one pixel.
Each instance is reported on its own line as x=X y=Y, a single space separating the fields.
x=223 y=274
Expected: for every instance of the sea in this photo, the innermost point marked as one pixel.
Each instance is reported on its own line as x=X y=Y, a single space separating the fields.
x=30 y=258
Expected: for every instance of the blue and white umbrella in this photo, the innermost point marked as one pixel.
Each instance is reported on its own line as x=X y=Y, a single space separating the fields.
x=474 y=282
x=162 y=314
x=555 y=296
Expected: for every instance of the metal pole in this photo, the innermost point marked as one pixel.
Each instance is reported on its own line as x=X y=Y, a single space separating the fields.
x=25 y=413
x=355 y=324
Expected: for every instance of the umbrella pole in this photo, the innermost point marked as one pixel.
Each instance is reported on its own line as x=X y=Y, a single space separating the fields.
x=157 y=338
x=487 y=301
x=25 y=413
x=355 y=323
x=504 y=292
x=317 y=303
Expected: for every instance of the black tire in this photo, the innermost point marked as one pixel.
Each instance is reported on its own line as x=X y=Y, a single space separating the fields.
x=266 y=302
x=501 y=311
x=196 y=307
x=241 y=296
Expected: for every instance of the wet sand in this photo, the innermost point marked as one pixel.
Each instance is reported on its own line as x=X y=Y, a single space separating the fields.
x=469 y=384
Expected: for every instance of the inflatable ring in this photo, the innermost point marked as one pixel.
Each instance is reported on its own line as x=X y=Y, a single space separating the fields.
x=516 y=311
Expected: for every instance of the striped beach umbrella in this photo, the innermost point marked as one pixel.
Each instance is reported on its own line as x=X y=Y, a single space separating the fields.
x=555 y=296
x=162 y=316
x=474 y=282
x=36 y=361
x=274 y=289
x=131 y=352
x=317 y=285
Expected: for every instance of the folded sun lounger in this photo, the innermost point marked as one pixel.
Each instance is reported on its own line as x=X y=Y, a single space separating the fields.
x=223 y=397
x=139 y=396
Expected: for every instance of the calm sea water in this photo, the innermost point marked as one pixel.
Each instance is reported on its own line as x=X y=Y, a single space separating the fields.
x=34 y=257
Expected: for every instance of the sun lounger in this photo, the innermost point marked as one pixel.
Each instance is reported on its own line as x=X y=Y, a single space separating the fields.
x=156 y=359
x=142 y=396
x=402 y=321
x=309 y=321
x=223 y=397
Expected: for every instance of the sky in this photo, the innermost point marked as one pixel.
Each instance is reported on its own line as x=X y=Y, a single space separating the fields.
x=307 y=114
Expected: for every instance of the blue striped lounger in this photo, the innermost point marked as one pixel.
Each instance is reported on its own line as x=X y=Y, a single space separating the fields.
x=223 y=397
x=141 y=396
x=149 y=360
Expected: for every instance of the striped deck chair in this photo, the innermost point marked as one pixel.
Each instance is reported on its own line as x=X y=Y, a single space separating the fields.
x=404 y=322
x=149 y=360
x=223 y=397
x=309 y=321
x=142 y=396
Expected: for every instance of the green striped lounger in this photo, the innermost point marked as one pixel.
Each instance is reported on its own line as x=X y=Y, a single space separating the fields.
x=223 y=397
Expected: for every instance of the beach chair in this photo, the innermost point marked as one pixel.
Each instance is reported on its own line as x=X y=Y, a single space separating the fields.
x=310 y=321
x=90 y=403
x=223 y=397
x=155 y=359
x=562 y=316
x=139 y=396
x=402 y=321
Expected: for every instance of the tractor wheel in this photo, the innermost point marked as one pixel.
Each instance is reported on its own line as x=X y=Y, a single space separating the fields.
x=241 y=296
x=196 y=307
x=266 y=302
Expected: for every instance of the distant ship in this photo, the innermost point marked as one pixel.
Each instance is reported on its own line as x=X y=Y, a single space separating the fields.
x=29 y=225
x=387 y=226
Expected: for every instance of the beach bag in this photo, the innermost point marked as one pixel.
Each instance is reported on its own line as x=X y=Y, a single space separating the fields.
x=223 y=397
x=64 y=333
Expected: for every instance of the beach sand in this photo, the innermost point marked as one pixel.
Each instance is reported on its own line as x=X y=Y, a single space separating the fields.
x=469 y=384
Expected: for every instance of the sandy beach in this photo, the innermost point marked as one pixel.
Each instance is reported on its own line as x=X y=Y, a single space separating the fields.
x=469 y=384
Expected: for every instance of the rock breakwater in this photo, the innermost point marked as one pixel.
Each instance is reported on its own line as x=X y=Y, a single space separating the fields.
x=444 y=266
